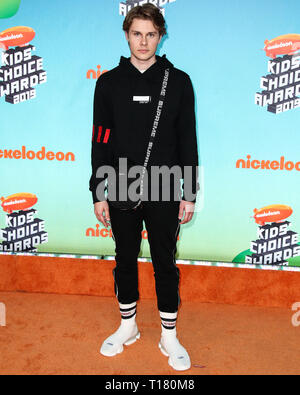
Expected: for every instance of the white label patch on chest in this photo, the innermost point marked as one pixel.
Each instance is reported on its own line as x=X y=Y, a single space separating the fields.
x=142 y=99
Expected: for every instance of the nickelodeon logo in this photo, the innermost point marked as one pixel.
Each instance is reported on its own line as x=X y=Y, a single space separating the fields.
x=287 y=44
x=255 y=164
x=273 y=213
x=16 y=36
x=18 y=201
x=95 y=74
x=97 y=232
x=43 y=154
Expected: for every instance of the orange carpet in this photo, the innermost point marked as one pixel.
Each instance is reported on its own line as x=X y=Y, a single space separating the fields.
x=198 y=283
x=62 y=334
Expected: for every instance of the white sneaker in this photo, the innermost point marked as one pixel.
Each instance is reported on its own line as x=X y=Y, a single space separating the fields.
x=178 y=357
x=125 y=335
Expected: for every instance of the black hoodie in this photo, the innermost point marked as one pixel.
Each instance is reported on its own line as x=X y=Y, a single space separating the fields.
x=122 y=125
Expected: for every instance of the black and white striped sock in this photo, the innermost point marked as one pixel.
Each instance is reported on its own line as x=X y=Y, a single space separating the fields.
x=168 y=320
x=128 y=311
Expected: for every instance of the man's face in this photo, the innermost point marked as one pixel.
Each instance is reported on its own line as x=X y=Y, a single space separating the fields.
x=143 y=39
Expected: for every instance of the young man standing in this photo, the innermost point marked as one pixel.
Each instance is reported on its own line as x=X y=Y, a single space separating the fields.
x=125 y=105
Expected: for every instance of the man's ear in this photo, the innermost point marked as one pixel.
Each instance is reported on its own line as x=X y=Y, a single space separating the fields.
x=127 y=36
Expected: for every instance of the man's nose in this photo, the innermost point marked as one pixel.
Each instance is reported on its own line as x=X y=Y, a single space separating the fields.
x=144 y=40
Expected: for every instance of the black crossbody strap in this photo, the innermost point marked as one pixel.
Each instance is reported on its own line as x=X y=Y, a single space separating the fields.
x=155 y=125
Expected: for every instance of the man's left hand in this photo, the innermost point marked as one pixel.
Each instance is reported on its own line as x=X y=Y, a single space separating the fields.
x=186 y=211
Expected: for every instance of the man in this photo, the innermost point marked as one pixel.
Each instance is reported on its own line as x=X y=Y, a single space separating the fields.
x=125 y=105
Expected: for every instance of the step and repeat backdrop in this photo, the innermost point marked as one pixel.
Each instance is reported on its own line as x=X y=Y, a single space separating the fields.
x=244 y=62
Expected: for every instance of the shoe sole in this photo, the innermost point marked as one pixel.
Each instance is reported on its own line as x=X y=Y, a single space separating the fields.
x=133 y=339
x=121 y=348
x=164 y=352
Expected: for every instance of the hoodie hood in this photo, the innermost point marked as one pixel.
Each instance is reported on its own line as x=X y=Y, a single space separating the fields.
x=152 y=73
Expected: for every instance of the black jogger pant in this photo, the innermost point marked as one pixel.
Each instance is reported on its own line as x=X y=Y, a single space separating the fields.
x=162 y=225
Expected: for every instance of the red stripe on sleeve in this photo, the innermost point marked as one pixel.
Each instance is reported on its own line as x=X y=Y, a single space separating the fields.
x=106 y=137
x=99 y=134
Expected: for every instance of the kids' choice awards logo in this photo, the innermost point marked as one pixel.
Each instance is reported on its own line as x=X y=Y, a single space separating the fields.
x=276 y=244
x=281 y=87
x=126 y=6
x=23 y=232
x=21 y=71
x=9 y=8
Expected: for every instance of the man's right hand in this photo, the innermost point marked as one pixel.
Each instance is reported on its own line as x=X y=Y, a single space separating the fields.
x=102 y=213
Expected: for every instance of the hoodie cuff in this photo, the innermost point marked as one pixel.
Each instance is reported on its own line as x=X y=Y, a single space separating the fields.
x=190 y=201
x=100 y=196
